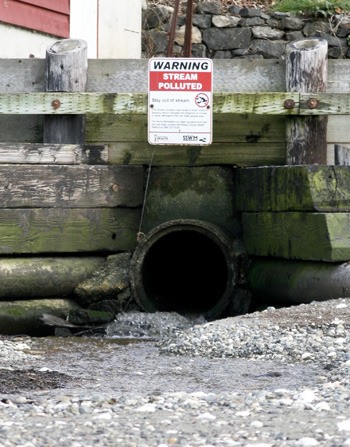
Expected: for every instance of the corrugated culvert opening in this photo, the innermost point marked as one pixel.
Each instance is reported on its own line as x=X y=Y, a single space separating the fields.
x=184 y=266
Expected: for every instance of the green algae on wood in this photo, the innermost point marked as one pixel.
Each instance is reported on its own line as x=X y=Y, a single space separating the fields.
x=294 y=188
x=44 y=277
x=50 y=230
x=203 y=193
x=306 y=236
x=24 y=316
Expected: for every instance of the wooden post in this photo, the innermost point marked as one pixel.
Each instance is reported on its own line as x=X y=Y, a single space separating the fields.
x=306 y=72
x=66 y=71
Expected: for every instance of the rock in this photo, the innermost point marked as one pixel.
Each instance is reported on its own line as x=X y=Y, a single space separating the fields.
x=196 y=36
x=227 y=38
x=266 y=32
x=225 y=21
x=107 y=283
x=209 y=6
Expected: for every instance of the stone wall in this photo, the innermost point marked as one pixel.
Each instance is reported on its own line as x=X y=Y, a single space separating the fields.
x=243 y=33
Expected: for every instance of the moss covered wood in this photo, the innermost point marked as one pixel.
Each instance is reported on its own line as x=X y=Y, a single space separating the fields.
x=25 y=317
x=59 y=230
x=293 y=235
x=293 y=188
x=202 y=193
x=44 y=277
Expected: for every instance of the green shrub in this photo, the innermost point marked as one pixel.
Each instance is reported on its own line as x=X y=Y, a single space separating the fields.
x=313 y=7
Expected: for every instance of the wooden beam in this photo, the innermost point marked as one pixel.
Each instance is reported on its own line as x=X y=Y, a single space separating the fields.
x=65 y=71
x=72 y=103
x=324 y=104
x=57 y=154
x=271 y=103
x=293 y=188
x=306 y=71
x=240 y=154
x=306 y=236
x=70 y=186
x=113 y=75
x=55 y=230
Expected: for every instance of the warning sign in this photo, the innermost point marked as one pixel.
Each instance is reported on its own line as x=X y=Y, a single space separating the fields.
x=180 y=101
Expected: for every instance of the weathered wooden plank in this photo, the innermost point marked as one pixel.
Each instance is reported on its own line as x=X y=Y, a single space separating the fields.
x=255 y=103
x=341 y=155
x=72 y=103
x=306 y=236
x=239 y=139
x=105 y=128
x=21 y=128
x=260 y=103
x=136 y=103
x=245 y=128
x=70 y=186
x=53 y=230
x=111 y=75
x=293 y=188
x=226 y=128
x=306 y=71
x=35 y=153
x=338 y=131
x=263 y=75
x=324 y=104
x=204 y=193
x=22 y=75
x=65 y=71
x=239 y=154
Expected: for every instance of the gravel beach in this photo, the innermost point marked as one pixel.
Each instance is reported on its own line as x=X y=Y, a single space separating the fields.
x=279 y=377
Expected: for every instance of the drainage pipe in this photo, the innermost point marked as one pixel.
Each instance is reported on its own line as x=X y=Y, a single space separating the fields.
x=185 y=266
x=297 y=282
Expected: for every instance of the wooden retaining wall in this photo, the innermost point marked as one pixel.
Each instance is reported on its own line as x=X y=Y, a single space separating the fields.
x=239 y=139
x=89 y=199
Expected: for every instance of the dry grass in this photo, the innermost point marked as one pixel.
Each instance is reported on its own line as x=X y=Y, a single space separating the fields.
x=262 y=4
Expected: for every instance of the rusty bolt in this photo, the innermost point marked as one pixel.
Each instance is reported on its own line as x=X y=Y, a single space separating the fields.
x=115 y=187
x=289 y=104
x=56 y=104
x=313 y=103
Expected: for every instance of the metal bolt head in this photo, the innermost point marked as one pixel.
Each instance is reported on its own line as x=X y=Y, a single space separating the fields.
x=289 y=104
x=313 y=103
x=56 y=104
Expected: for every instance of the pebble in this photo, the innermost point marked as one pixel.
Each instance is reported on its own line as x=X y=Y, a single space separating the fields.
x=317 y=415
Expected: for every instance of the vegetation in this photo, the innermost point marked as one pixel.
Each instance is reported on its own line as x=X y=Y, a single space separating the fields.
x=313 y=7
x=307 y=7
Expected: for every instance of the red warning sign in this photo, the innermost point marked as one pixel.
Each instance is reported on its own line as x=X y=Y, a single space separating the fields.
x=180 y=101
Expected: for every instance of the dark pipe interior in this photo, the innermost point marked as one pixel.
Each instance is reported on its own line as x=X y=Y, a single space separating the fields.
x=184 y=271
